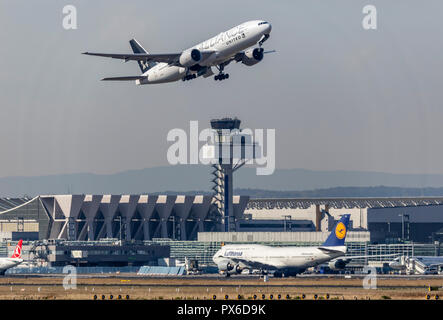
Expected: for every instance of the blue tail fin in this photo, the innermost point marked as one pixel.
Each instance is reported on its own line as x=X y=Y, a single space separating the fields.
x=137 y=48
x=338 y=234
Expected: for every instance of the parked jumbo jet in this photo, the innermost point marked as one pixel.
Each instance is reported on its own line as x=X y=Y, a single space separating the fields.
x=232 y=45
x=285 y=261
x=14 y=260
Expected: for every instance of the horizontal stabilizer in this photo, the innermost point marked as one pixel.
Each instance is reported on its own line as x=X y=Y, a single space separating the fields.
x=137 y=48
x=338 y=249
x=131 y=78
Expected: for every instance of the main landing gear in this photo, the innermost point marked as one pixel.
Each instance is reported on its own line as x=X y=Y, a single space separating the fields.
x=221 y=75
x=189 y=77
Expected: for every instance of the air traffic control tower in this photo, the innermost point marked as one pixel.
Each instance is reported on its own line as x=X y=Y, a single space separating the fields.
x=231 y=149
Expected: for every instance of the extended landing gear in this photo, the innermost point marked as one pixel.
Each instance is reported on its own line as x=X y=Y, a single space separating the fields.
x=263 y=39
x=221 y=75
x=189 y=77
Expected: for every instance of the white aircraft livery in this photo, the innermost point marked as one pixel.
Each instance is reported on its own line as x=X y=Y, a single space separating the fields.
x=284 y=261
x=232 y=45
x=14 y=260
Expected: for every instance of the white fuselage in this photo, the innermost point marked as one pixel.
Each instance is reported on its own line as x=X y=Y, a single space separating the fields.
x=225 y=45
x=277 y=257
x=7 y=263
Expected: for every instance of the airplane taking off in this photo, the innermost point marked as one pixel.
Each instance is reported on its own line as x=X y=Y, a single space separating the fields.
x=14 y=260
x=232 y=45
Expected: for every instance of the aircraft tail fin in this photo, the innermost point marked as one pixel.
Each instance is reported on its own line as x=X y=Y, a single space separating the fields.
x=18 y=250
x=338 y=234
x=137 y=48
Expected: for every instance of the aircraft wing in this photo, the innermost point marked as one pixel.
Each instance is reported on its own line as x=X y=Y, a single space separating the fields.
x=435 y=265
x=330 y=249
x=349 y=258
x=130 y=78
x=170 y=58
x=162 y=57
x=239 y=56
x=252 y=264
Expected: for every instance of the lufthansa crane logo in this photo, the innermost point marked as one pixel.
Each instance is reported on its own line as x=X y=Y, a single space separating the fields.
x=340 y=230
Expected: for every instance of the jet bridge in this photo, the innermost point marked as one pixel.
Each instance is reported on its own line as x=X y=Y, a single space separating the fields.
x=422 y=264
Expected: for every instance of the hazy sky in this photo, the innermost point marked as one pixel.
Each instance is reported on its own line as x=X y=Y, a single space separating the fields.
x=339 y=97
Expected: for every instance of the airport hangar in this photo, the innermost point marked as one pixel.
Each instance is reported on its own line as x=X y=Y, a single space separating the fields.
x=161 y=226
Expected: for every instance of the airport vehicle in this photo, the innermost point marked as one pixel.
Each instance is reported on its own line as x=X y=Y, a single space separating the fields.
x=283 y=261
x=418 y=264
x=14 y=260
x=232 y=45
x=191 y=266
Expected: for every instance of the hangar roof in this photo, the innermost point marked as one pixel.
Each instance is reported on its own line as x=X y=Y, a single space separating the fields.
x=9 y=203
x=300 y=203
x=347 y=203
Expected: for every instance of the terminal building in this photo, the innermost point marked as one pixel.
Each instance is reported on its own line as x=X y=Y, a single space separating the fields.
x=125 y=217
x=190 y=227
x=386 y=219
x=146 y=217
x=96 y=253
x=138 y=229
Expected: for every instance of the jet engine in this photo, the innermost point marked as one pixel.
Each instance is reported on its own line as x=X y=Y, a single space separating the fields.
x=252 y=56
x=225 y=266
x=230 y=268
x=238 y=269
x=190 y=57
x=337 y=264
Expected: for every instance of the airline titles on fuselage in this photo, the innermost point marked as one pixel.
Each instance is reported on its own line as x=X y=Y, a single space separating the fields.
x=233 y=253
x=229 y=36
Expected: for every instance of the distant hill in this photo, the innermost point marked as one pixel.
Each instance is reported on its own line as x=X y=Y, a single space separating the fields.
x=345 y=192
x=337 y=192
x=182 y=179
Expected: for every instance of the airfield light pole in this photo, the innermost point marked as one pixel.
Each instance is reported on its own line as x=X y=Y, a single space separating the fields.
x=402 y=226
x=408 y=225
x=120 y=233
x=286 y=218
x=403 y=215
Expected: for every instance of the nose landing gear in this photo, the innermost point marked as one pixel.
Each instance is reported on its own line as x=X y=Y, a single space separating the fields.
x=263 y=39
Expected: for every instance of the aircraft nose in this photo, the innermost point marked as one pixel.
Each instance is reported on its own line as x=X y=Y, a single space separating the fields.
x=268 y=28
x=214 y=258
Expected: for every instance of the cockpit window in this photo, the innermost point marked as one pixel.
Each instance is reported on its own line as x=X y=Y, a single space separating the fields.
x=263 y=22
